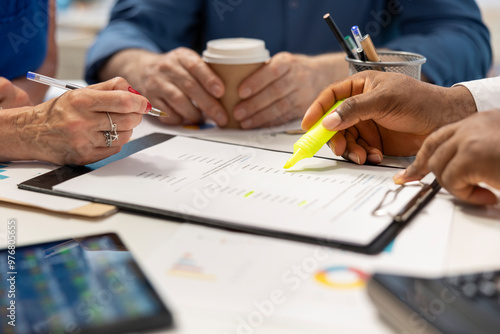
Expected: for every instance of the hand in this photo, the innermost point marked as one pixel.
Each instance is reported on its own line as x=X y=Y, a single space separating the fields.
x=462 y=155
x=388 y=113
x=283 y=88
x=12 y=96
x=69 y=129
x=178 y=82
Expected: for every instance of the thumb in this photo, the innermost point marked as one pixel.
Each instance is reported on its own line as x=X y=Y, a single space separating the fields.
x=352 y=111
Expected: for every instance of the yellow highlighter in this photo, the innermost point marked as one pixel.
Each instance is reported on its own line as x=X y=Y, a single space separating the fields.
x=312 y=140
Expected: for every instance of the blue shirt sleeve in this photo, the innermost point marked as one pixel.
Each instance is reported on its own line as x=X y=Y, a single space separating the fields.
x=23 y=36
x=450 y=33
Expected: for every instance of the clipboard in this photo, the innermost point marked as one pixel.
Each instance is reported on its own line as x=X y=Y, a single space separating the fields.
x=45 y=183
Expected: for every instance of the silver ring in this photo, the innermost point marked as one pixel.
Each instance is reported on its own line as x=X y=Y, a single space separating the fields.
x=112 y=134
x=109 y=140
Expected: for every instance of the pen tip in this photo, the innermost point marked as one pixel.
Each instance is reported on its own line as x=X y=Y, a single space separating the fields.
x=326 y=15
x=297 y=155
x=157 y=112
x=291 y=162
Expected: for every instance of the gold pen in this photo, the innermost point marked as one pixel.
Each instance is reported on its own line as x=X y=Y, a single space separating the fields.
x=369 y=48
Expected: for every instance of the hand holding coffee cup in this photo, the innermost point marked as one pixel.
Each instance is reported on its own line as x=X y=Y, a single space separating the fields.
x=233 y=60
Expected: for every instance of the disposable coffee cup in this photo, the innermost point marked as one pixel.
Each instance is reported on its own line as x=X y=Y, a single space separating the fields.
x=234 y=60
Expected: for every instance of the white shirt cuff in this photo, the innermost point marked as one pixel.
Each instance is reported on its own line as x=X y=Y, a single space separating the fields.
x=486 y=93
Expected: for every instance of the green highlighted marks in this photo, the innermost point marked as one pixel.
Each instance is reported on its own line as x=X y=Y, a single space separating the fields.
x=248 y=194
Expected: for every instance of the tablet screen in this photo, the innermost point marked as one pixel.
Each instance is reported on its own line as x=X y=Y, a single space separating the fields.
x=80 y=285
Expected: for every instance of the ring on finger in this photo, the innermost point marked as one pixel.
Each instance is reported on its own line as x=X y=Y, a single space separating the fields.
x=113 y=134
x=109 y=140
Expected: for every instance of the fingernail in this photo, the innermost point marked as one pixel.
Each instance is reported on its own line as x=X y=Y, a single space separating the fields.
x=221 y=119
x=399 y=177
x=216 y=90
x=246 y=124
x=354 y=157
x=331 y=146
x=245 y=92
x=240 y=113
x=148 y=107
x=130 y=89
x=374 y=158
x=332 y=121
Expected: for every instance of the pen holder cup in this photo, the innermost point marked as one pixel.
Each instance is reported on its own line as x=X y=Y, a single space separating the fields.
x=391 y=61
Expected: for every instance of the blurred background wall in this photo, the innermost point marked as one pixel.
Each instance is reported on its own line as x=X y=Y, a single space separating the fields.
x=491 y=15
x=80 y=20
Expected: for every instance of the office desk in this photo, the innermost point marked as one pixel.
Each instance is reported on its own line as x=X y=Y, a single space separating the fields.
x=473 y=245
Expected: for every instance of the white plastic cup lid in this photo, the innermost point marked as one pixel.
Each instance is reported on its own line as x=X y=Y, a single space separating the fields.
x=236 y=51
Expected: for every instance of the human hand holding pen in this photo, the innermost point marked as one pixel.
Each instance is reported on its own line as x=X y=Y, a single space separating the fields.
x=462 y=155
x=386 y=114
x=70 y=129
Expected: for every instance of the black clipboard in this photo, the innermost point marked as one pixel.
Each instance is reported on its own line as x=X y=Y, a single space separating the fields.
x=45 y=183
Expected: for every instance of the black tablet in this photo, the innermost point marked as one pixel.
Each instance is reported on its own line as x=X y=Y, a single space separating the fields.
x=81 y=285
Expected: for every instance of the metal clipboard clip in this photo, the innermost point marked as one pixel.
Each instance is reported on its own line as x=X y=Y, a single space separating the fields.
x=427 y=191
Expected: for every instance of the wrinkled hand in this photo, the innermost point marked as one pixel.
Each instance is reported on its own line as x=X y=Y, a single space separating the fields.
x=178 y=82
x=70 y=129
x=462 y=155
x=386 y=114
x=284 y=87
x=12 y=96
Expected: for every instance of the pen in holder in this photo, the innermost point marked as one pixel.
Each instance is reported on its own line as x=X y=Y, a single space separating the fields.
x=391 y=61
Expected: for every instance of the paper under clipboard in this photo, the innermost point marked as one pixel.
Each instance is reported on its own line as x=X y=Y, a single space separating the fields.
x=12 y=173
x=324 y=201
x=89 y=210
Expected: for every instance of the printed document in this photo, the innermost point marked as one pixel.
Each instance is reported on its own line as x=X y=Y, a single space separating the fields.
x=240 y=186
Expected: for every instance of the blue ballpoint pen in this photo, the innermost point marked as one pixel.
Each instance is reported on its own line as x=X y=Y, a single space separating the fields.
x=357 y=35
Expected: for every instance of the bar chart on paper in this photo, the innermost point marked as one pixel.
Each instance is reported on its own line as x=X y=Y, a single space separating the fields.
x=187 y=266
x=202 y=260
x=3 y=171
x=13 y=173
x=245 y=269
x=315 y=281
x=247 y=187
